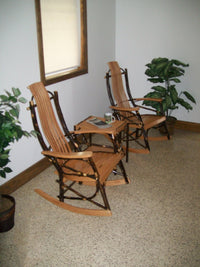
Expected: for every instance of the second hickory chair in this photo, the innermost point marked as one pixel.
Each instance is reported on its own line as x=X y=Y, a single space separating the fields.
x=125 y=107
x=76 y=169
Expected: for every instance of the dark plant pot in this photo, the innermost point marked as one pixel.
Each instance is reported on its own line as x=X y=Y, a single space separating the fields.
x=7 y=213
x=171 y=121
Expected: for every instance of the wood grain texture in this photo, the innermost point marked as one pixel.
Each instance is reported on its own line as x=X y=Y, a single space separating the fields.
x=24 y=176
x=188 y=126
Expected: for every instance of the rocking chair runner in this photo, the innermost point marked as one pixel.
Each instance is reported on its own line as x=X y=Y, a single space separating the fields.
x=76 y=170
x=125 y=108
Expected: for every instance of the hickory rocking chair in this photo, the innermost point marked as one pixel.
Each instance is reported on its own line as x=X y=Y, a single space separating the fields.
x=125 y=107
x=76 y=169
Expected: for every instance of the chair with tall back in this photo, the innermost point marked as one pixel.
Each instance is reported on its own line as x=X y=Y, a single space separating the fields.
x=82 y=175
x=125 y=107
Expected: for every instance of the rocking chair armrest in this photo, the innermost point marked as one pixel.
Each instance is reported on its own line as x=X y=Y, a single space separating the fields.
x=149 y=99
x=125 y=109
x=71 y=155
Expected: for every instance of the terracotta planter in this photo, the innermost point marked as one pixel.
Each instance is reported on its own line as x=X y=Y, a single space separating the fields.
x=170 y=125
x=7 y=213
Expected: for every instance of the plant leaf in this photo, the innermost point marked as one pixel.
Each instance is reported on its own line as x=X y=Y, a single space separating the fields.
x=8 y=93
x=27 y=134
x=154 y=95
x=14 y=112
x=22 y=100
x=4 y=98
x=149 y=73
x=161 y=66
x=2 y=174
x=189 y=96
x=176 y=80
x=156 y=80
x=13 y=99
x=16 y=92
x=3 y=156
x=159 y=60
x=160 y=89
x=168 y=101
x=34 y=133
x=185 y=104
x=179 y=63
x=17 y=107
x=166 y=71
x=173 y=94
x=7 y=169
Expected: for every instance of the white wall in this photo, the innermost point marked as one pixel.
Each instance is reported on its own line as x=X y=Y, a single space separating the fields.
x=19 y=67
x=159 y=28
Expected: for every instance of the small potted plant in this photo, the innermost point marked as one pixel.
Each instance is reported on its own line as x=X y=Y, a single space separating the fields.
x=166 y=74
x=10 y=131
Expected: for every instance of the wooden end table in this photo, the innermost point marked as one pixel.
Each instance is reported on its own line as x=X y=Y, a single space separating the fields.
x=113 y=132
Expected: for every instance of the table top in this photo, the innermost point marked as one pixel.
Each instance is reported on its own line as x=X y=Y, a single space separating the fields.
x=86 y=127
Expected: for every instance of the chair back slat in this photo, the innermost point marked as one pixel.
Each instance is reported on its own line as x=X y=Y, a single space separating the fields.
x=117 y=86
x=50 y=126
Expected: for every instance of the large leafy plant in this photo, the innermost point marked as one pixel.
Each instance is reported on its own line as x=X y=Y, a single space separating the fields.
x=166 y=74
x=10 y=128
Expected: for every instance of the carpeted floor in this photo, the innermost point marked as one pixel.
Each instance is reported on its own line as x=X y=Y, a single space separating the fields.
x=155 y=220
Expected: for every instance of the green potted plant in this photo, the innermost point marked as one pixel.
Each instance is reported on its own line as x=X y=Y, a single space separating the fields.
x=10 y=131
x=166 y=74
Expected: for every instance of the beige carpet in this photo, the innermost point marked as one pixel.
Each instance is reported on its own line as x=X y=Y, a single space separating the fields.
x=155 y=219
